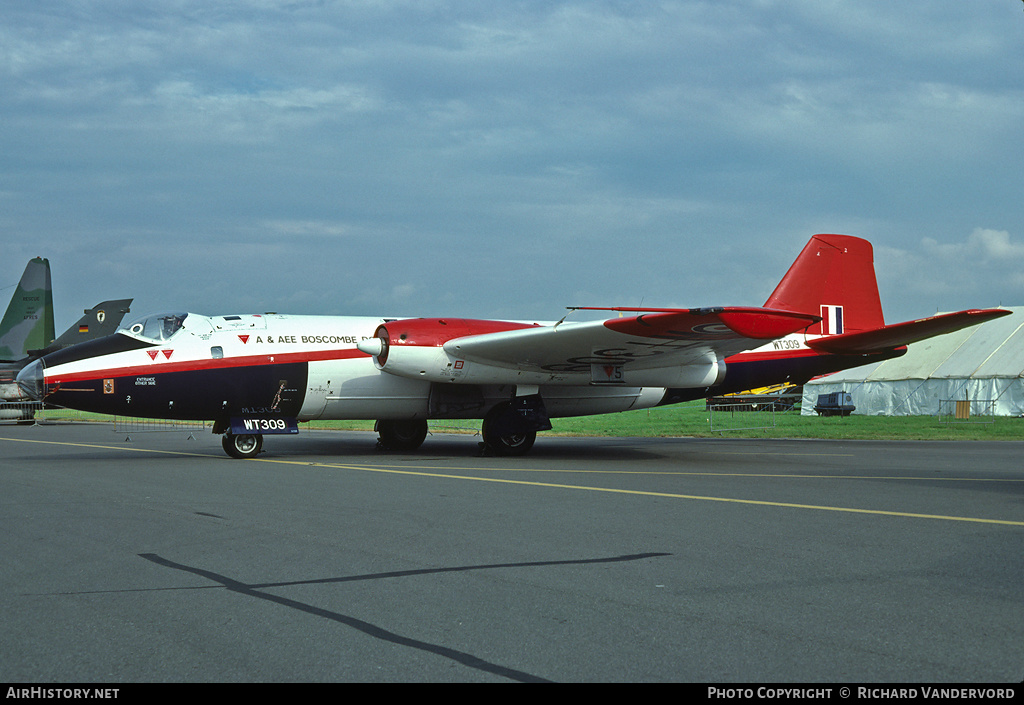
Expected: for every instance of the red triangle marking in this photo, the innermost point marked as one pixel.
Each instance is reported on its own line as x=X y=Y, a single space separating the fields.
x=167 y=353
x=244 y=338
x=152 y=354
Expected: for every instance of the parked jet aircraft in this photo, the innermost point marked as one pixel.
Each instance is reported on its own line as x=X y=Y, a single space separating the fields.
x=261 y=374
x=27 y=333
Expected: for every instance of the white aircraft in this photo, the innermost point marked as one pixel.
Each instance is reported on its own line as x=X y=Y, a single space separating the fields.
x=260 y=374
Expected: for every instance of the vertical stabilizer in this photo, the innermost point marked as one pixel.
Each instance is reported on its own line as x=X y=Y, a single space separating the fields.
x=833 y=277
x=101 y=320
x=28 y=322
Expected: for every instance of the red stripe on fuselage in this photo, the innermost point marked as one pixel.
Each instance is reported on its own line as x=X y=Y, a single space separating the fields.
x=211 y=364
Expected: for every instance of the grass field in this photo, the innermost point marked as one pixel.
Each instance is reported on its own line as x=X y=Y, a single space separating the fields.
x=693 y=420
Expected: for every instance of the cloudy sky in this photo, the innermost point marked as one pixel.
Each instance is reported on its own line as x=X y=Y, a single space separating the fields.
x=507 y=159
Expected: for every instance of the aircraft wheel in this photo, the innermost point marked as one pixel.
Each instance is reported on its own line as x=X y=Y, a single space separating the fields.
x=514 y=444
x=242 y=446
x=401 y=435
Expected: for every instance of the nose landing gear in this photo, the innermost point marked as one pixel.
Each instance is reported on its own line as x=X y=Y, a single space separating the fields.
x=242 y=446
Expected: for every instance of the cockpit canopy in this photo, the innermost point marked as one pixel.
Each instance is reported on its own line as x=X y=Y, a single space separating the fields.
x=157 y=327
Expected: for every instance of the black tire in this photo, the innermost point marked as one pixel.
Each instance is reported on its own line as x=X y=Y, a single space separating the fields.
x=242 y=446
x=401 y=435
x=515 y=444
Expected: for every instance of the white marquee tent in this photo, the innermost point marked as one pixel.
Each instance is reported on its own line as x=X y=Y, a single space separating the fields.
x=983 y=365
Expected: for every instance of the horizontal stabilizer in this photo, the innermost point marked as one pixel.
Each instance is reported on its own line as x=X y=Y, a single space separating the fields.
x=900 y=334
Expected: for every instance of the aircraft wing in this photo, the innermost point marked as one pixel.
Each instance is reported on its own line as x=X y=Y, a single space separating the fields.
x=649 y=340
x=900 y=334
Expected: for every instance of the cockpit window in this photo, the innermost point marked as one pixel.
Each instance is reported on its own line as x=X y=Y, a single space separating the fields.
x=158 y=327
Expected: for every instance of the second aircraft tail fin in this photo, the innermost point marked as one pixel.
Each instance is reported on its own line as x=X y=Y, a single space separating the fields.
x=28 y=322
x=101 y=320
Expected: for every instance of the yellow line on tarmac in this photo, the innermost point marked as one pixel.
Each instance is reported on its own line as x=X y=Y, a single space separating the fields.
x=672 y=495
x=685 y=473
x=530 y=483
x=105 y=447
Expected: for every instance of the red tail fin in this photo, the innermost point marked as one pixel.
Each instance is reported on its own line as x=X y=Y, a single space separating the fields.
x=833 y=277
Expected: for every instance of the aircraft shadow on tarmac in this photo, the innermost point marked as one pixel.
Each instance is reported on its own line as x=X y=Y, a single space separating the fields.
x=254 y=590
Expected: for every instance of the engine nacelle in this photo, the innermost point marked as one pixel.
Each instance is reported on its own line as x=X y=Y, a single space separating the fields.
x=414 y=347
x=699 y=373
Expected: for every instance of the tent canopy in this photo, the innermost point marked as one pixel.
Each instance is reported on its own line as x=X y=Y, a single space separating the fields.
x=984 y=364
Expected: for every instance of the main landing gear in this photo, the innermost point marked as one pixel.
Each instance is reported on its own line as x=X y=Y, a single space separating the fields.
x=400 y=435
x=510 y=428
x=512 y=444
x=499 y=437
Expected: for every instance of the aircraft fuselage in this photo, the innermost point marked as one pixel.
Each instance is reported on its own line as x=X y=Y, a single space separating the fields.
x=305 y=367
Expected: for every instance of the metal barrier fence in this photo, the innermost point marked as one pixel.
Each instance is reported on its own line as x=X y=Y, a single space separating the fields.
x=741 y=416
x=32 y=412
x=470 y=427
x=36 y=413
x=129 y=425
x=19 y=412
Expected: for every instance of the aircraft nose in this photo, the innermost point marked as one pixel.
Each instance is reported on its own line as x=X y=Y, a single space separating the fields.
x=30 y=379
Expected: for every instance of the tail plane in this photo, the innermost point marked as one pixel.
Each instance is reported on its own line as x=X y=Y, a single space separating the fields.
x=834 y=278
